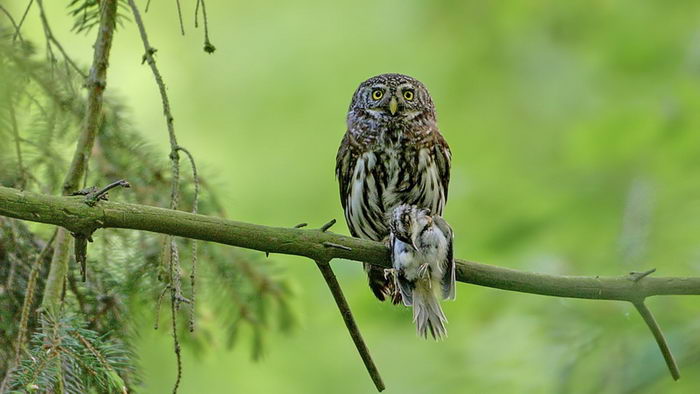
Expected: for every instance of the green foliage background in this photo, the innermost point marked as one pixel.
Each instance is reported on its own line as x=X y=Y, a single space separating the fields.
x=575 y=132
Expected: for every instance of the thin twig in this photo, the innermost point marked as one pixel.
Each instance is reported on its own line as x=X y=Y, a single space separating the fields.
x=50 y=37
x=148 y=55
x=174 y=306
x=208 y=46
x=101 y=194
x=179 y=16
x=659 y=336
x=9 y=284
x=196 y=14
x=21 y=21
x=346 y=313
x=327 y=226
x=29 y=296
x=15 y=25
x=300 y=225
x=195 y=208
x=158 y=305
x=637 y=276
x=18 y=149
x=176 y=294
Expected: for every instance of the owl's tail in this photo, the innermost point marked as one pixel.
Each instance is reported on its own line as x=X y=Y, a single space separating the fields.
x=427 y=313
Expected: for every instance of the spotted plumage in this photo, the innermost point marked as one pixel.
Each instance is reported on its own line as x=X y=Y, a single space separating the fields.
x=391 y=154
x=421 y=254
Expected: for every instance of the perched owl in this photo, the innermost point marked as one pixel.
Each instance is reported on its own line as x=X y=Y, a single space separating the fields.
x=421 y=253
x=391 y=154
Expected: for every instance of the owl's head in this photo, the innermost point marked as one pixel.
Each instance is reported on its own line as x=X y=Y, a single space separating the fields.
x=393 y=97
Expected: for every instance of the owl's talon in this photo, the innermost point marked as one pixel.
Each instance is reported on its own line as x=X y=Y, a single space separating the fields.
x=424 y=271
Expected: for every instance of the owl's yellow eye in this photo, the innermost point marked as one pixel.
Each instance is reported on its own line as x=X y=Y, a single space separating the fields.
x=377 y=94
x=408 y=95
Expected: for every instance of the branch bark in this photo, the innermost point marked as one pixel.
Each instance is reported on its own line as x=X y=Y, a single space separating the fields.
x=72 y=213
x=96 y=83
x=660 y=338
x=349 y=321
x=75 y=215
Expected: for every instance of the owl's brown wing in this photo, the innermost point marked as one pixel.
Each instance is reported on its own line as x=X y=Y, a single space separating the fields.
x=345 y=162
x=443 y=158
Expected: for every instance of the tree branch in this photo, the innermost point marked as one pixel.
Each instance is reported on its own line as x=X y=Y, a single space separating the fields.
x=354 y=331
x=660 y=339
x=73 y=214
x=96 y=83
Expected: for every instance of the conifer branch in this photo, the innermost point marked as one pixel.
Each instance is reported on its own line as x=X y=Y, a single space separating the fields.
x=18 y=148
x=171 y=245
x=51 y=39
x=16 y=26
x=21 y=21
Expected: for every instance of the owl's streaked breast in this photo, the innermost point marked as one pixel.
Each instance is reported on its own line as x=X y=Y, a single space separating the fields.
x=384 y=179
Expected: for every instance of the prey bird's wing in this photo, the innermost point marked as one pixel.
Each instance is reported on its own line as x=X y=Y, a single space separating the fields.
x=449 y=285
x=405 y=286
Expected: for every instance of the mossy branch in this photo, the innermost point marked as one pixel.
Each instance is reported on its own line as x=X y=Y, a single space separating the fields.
x=76 y=216
x=96 y=83
x=72 y=213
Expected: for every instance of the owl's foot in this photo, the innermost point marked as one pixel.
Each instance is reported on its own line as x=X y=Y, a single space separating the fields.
x=424 y=271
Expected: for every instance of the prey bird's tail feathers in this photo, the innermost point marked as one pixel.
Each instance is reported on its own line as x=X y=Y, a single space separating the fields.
x=405 y=288
x=427 y=313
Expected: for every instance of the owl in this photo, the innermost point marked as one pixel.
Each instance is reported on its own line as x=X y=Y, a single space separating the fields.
x=392 y=154
x=421 y=254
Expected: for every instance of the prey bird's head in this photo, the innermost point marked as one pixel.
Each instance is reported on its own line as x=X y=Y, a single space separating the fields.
x=393 y=97
x=409 y=222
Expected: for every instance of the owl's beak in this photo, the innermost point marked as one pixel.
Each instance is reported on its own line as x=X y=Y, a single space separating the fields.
x=393 y=105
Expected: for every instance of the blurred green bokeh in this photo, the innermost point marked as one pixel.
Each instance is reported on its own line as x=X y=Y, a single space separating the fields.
x=575 y=132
